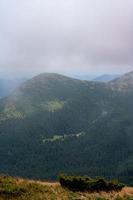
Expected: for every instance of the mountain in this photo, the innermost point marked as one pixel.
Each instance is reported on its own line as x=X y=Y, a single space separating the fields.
x=54 y=123
x=7 y=86
x=106 y=77
x=123 y=83
x=87 y=77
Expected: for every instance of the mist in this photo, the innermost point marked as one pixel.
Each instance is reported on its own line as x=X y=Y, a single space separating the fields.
x=69 y=37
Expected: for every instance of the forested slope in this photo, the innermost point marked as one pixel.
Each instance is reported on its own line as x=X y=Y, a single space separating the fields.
x=53 y=123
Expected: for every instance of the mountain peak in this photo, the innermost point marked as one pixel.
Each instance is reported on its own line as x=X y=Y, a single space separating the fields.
x=51 y=76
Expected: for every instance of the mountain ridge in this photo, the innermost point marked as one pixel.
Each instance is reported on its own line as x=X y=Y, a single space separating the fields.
x=106 y=78
x=124 y=82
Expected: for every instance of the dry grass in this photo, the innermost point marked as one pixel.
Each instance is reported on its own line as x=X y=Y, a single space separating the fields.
x=38 y=190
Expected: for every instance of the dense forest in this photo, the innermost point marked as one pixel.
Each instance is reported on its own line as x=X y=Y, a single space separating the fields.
x=53 y=124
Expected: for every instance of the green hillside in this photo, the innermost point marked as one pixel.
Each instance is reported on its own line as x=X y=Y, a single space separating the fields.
x=54 y=123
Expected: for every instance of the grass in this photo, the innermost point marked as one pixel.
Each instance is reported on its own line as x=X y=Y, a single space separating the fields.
x=20 y=189
x=12 y=113
x=62 y=137
x=55 y=105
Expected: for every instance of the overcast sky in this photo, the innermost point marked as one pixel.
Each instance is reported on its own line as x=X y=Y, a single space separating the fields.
x=65 y=36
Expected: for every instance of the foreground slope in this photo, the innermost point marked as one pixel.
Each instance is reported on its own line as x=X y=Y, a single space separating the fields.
x=53 y=123
x=20 y=189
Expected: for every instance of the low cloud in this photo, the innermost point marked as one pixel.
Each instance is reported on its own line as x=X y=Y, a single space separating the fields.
x=93 y=36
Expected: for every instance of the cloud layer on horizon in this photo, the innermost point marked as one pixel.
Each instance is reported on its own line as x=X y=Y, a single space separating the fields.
x=93 y=36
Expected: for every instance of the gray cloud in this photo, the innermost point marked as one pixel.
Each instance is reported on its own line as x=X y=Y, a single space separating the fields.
x=93 y=36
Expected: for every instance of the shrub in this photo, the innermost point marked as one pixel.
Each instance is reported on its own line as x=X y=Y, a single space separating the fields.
x=78 y=183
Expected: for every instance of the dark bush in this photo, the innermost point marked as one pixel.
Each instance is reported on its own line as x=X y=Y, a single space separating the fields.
x=78 y=183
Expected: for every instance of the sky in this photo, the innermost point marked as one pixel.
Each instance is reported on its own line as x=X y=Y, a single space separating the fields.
x=73 y=37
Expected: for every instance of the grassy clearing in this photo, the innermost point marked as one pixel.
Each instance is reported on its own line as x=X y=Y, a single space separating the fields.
x=55 y=105
x=20 y=189
x=11 y=112
x=63 y=137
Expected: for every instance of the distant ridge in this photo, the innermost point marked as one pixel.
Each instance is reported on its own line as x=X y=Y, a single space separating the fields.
x=124 y=82
x=125 y=77
x=106 y=78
